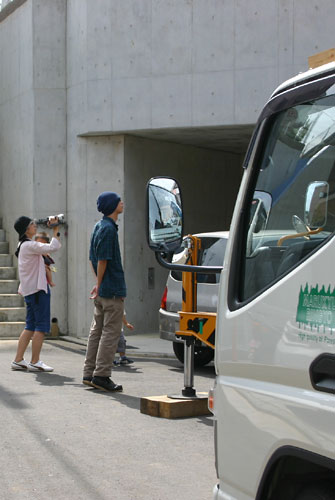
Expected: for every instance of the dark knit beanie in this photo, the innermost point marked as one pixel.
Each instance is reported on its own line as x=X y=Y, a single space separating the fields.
x=107 y=202
x=21 y=225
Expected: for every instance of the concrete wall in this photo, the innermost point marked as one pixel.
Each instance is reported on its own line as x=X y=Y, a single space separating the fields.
x=16 y=115
x=96 y=164
x=209 y=181
x=178 y=63
x=72 y=68
x=158 y=64
x=125 y=164
x=33 y=123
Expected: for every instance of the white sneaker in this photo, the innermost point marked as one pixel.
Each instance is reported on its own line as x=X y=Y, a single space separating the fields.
x=39 y=367
x=20 y=365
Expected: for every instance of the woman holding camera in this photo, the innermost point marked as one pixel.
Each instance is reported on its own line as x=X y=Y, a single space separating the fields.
x=35 y=290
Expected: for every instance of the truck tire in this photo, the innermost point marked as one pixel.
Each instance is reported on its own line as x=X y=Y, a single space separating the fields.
x=202 y=355
x=318 y=491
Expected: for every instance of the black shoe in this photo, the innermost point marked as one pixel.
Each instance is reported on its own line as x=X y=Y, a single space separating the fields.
x=126 y=361
x=88 y=381
x=106 y=384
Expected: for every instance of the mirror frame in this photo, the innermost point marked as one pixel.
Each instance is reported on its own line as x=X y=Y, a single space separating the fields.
x=163 y=252
x=171 y=246
x=308 y=202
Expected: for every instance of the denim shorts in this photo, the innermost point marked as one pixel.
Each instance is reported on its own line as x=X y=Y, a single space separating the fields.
x=38 y=311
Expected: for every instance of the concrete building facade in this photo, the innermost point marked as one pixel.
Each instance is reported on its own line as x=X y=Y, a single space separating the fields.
x=102 y=95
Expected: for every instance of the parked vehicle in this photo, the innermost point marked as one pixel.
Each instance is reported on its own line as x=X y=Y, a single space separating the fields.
x=274 y=397
x=213 y=247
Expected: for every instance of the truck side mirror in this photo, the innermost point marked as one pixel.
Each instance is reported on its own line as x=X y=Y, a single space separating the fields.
x=164 y=214
x=316 y=204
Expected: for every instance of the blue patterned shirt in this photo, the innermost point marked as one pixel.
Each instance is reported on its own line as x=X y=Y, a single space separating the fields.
x=105 y=246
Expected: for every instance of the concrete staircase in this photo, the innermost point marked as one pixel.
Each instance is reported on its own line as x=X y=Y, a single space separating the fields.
x=12 y=310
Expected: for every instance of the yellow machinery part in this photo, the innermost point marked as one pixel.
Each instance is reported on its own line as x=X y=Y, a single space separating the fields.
x=199 y=324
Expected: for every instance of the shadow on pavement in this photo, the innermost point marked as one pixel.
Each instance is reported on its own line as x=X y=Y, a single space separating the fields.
x=58 y=454
x=77 y=350
x=207 y=420
x=12 y=400
x=127 y=369
x=51 y=379
x=133 y=402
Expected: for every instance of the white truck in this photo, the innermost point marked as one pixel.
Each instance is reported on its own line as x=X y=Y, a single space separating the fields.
x=274 y=398
x=274 y=395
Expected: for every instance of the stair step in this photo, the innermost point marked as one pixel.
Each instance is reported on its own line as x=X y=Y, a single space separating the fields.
x=11 y=300
x=12 y=314
x=4 y=246
x=11 y=329
x=9 y=286
x=6 y=260
x=12 y=310
x=7 y=273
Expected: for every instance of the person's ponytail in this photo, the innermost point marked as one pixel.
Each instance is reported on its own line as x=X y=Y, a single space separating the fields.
x=23 y=238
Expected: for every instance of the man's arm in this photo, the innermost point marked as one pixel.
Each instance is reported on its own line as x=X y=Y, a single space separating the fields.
x=102 y=264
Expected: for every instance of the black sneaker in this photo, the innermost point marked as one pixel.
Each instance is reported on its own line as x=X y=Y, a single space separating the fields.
x=106 y=384
x=126 y=361
x=88 y=381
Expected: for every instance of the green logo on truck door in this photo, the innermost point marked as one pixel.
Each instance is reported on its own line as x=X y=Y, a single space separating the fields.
x=316 y=308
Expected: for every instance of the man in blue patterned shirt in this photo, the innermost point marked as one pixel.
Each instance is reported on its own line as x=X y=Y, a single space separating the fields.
x=108 y=295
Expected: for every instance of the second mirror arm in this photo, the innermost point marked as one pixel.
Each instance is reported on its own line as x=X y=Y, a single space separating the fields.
x=187 y=267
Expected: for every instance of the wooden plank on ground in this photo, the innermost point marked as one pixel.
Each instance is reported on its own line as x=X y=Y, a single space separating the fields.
x=165 y=407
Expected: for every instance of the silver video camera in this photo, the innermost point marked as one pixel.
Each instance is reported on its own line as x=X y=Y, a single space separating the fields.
x=44 y=222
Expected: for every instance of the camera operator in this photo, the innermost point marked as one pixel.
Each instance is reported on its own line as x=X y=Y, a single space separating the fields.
x=35 y=290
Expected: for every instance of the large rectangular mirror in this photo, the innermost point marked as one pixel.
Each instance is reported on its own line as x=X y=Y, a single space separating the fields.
x=165 y=214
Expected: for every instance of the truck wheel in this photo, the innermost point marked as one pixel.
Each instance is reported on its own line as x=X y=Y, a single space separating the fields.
x=318 y=491
x=202 y=355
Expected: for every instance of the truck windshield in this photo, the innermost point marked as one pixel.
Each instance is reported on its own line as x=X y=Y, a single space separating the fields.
x=299 y=151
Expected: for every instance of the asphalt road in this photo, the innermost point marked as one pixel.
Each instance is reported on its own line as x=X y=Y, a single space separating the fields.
x=63 y=440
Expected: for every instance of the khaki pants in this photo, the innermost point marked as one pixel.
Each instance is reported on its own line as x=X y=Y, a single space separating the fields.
x=104 y=336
